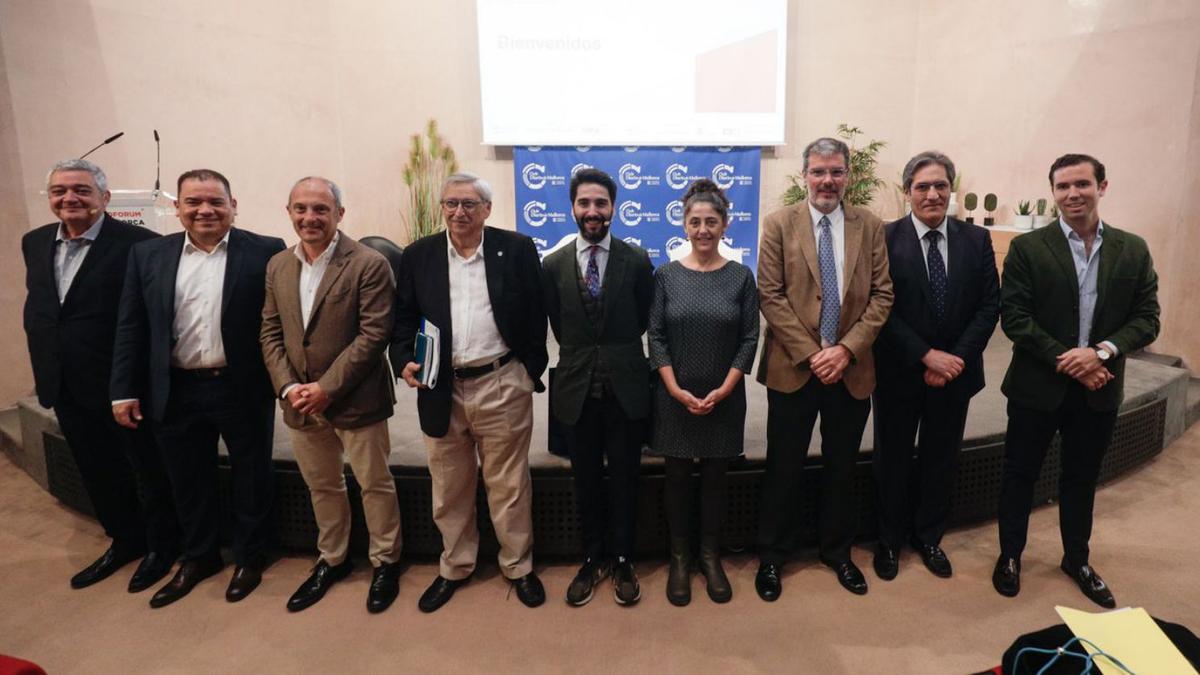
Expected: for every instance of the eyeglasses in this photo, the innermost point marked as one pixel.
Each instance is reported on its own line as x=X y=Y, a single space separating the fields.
x=467 y=205
x=821 y=173
x=940 y=186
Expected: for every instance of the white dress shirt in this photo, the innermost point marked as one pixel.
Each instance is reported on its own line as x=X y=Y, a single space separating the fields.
x=69 y=254
x=476 y=338
x=583 y=252
x=311 y=275
x=837 y=227
x=199 y=284
x=943 y=242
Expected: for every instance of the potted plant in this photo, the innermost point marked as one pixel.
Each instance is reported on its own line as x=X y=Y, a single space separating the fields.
x=969 y=203
x=952 y=207
x=1024 y=217
x=430 y=161
x=861 y=183
x=989 y=204
x=1040 y=219
x=1053 y=212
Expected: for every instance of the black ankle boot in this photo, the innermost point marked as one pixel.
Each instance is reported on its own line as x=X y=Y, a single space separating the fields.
x=710 y=566
x=679 y=576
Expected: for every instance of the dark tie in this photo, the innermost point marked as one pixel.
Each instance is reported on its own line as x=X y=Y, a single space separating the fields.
x=592 y=277
x=937 y=274
x=831 y=297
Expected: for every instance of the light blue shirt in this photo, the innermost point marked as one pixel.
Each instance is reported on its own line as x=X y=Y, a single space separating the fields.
x=69 y=254
x=1087 y=272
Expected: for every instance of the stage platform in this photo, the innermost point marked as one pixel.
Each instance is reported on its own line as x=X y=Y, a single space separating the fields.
x=1154 y=414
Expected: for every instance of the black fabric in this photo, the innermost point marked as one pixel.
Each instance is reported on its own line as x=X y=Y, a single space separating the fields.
x=123 y=474
x=1085 y=434
x=790 y=421
x=914 y=491
x=678 y=495
x=1056 y=636
x=198 y=412
x=594 y=307
x=603 y=431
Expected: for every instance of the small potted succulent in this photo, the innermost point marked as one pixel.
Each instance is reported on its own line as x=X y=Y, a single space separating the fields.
x=1040 y=219
x=989 y=204
x=1024 y=217
x=970 y=202
x=1053 y=212
x=952 y=207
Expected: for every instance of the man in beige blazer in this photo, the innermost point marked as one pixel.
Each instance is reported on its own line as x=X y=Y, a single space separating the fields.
x=326 y=323
x=825 y=292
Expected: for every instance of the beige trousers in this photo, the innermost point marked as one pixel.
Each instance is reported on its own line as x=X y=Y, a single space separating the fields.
x=319 y=453
x=491 y=421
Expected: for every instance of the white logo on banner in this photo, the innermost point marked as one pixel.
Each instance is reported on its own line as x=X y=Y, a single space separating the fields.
x=633 y=241
x=579 y=167
x=539 y=242
x=630 y=213
x=630 y=176
x=674 y=243
x=535 y=214
x=722 y=175
x=675 y=213
x=677 y=177
x=534 y=176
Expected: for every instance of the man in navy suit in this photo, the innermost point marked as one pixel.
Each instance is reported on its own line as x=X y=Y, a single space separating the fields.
x=928 y=362
x=481 y=286
x=187 y=356
x=73 y=274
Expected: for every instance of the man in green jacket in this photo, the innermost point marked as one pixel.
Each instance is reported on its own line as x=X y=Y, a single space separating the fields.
x=598 y=294
x=1077 y=297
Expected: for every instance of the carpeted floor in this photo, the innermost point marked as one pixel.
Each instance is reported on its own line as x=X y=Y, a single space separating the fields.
x=915 y=624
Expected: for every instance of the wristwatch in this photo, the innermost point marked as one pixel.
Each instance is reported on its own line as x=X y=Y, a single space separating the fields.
x=1103 y=354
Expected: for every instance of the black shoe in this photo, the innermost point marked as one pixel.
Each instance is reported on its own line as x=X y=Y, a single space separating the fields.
x=529 y=590
x=886 y=562
x=112 y=560
x=850 y=577
x=767 y=582
x=317 y=584
x=1006 y=578
x=626 y=590
x=245 y=579
x=935 y=559
x=190 y=573
x=1091 y=584
x=716 y=583
x=151 y=570
x=439 y=593
x=385 y=586
x=679 y=573
x=579 y=593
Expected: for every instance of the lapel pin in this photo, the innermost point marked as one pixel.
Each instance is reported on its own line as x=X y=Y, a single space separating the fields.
x=500 y=253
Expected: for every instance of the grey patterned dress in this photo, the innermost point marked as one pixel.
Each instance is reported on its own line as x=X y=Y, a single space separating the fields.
x=702 y=324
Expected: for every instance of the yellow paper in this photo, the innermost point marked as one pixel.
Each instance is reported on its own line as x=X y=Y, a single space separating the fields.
x=1129 y=635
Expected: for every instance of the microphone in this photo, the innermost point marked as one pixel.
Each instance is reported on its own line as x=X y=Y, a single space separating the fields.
x=106 y=141
x=157 y=160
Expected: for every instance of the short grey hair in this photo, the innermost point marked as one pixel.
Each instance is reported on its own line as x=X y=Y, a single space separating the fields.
x=826 y=147
x=922 y=160
x=333 y=189
x=80 y=165
x=466 y=177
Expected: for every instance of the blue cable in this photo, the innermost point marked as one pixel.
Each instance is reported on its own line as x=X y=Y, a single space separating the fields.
x=1089 y=659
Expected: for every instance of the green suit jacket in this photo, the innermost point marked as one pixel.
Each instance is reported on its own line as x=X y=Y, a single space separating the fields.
x=627 y=291
x=1039 y=312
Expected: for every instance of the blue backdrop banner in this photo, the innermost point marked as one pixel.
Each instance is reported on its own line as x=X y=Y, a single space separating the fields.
x=650 y=184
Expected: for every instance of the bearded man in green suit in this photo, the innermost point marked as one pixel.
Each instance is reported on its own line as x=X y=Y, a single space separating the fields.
x=1078 y=296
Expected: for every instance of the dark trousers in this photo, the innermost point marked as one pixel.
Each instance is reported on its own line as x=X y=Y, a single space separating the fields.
x=790 y=420
x=1085 y=436
x=603 y=431
x=198 y=412
x=123 y=474
x=914 y=493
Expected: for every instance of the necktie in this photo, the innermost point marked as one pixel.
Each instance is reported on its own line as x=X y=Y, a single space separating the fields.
x=831 y=297
x=592 y=277
x=937 y=274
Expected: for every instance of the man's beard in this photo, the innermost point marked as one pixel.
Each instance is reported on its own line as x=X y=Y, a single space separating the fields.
x=597 y=236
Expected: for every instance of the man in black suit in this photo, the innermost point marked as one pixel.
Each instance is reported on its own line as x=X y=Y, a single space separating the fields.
x=1079 y=296
x=73 y=274
x=187 y=348
x=598 y=295
x=928 y=362
x=481 y=288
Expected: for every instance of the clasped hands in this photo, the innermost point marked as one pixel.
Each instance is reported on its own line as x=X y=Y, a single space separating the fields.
x=700 y=406
x=308 y=399
x=1083 y=364
x=941 y=367
x=830 y=363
